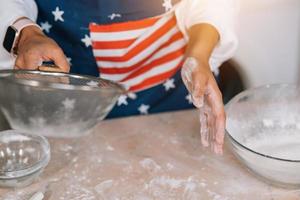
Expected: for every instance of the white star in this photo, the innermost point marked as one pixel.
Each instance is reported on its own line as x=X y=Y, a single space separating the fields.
x=168 y=5
x=69 y=60
x=189 y=98
x=86 y=40
x=92 y=83
x=132 y=95
x=69 y=103
x=144 y=109
x=113 y=16
x=122 y=100
x=45 y=26
x=126 y=86
x=169 y=84
x=58 y=14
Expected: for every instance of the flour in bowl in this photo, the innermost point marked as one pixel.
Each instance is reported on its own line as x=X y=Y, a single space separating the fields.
x=278 y=143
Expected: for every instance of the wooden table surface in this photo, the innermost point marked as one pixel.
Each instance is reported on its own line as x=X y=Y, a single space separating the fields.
x=143 y=158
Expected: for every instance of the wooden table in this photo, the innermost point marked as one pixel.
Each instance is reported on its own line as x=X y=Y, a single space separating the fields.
x=143 y=158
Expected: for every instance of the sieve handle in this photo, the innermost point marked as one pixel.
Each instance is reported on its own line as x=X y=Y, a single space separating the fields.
x=49 y=67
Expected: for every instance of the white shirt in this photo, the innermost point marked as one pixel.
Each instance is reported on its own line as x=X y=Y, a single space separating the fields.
x=219 y=13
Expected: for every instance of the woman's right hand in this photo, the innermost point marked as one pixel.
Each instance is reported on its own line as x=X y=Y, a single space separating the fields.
x=34 y=47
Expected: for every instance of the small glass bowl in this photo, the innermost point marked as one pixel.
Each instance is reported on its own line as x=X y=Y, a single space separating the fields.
x=22 y=158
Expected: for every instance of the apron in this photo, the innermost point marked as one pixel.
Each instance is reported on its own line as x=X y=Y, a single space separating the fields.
x=139 y=54
x=134 y=42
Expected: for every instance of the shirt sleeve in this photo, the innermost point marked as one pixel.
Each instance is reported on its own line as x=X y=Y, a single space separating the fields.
x=10 y=11
x=219 y=13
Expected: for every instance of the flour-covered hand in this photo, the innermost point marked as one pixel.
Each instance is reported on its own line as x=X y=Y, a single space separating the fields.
x=207 y=97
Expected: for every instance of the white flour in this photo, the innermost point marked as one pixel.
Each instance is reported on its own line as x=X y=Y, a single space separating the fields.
x=277 y=137
x=164 y=181
x=114 y=166
x=279 y=143
x=150 y=164
x=279 y=147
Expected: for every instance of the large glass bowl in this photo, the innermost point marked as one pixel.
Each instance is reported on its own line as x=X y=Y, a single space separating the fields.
x=263 y=126
x=55 y=104
x=22 y=158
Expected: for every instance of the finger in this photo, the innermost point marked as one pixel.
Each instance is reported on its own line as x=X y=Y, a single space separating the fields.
x=32 y=61
x=19 y=62
x=204 y=132
x=207 y=118
x=27 y=62
x=197 y=100
x=17 y=68
x=215 y=100
x=60 y=60
x=211 y=123
x=218 y=109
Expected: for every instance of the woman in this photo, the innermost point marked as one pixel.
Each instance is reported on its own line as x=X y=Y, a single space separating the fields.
x=139 y=43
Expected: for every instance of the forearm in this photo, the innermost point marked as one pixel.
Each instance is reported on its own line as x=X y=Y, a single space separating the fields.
x=220 y=15
x=200 y=82
x=202 y=40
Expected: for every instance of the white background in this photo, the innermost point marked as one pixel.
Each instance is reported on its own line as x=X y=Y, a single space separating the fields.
x=269 y=49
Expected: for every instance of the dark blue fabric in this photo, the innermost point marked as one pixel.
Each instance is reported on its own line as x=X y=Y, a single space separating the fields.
x=74 y=27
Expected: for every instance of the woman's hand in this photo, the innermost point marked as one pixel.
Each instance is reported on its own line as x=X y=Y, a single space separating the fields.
x=201 y=84
x=34 y=48
x=207 y=97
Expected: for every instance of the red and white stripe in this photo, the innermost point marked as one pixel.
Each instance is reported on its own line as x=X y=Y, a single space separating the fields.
x=138 y=54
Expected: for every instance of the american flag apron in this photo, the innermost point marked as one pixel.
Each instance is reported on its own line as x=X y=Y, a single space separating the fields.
x=138 y=54
x=134 y=42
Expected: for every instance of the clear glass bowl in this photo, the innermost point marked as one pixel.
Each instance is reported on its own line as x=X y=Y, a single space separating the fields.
x=263 y=126
x=22 y=158
x=55 y=104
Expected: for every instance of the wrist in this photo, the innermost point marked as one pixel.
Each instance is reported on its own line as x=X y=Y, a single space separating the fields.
x=197 y=62
x=203 y=38
x=199 y=54
x=23 y=28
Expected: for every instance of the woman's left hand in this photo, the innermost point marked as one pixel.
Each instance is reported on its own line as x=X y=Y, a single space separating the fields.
x=207 y=97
